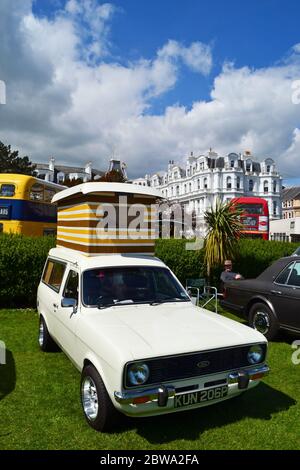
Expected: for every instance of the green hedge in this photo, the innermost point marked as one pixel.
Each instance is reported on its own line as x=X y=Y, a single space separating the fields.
x=184 y=263
x=254 y=256
x=22 y=260
x=21 y=263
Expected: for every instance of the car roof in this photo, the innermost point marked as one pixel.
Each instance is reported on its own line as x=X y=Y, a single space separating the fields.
x=103 y=260
x=276 y=267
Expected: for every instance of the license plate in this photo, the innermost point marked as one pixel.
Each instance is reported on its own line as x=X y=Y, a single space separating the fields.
x=193 y=398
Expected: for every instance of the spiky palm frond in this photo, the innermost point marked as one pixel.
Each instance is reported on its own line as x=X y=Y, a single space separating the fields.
x=224 y=230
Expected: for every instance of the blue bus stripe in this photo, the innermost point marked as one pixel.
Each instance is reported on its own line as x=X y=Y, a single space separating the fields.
x=30 y=211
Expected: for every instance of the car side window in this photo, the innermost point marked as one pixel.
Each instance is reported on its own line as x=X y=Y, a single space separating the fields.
x=53 y=274
x=71 y=286
x=284 y=275
x=294 y=279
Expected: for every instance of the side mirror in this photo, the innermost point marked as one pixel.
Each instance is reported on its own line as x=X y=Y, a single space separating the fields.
x=68 y=303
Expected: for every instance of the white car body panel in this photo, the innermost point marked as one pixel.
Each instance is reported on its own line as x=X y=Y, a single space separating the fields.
x=111 y=337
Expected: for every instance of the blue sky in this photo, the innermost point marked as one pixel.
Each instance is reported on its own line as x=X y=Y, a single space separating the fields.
x=151 y=79
x=255 y=34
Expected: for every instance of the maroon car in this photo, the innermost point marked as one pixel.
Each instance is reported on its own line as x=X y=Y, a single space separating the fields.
x=271 y=301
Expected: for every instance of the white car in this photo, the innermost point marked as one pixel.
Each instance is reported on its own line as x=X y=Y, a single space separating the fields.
x=142 y=347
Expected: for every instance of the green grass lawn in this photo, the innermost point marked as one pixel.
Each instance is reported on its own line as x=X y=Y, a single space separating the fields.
x=40 y=405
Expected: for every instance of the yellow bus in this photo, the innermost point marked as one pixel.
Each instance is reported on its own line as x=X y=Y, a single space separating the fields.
x=25 y=205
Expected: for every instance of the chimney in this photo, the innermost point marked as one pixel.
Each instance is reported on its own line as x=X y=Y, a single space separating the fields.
x=88 y=169
x=51 y=164
x=170 y=165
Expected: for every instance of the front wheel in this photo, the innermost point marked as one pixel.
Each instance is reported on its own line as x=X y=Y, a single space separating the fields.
x=97 y=406
x=262 y=319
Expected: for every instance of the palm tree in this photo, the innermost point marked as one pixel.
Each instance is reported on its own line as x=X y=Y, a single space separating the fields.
x=224 y=230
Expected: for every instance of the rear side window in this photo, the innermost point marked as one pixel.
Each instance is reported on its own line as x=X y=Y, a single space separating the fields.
x=294 y=279
x=7 y=190
x=284 y=275
x=53 y=274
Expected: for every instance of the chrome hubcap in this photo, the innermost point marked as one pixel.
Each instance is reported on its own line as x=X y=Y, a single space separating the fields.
x=41 y=333
x=261 y=322
x=89 y=398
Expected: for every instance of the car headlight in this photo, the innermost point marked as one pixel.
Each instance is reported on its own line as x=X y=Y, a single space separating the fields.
x=138 y=374
x=255 y=354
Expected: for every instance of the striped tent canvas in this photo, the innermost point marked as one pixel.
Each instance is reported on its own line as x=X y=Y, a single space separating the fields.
x=97 y=218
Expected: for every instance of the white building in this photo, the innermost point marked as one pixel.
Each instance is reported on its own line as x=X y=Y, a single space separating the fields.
x=59 y=173
x=207 y=178
x=285 y=230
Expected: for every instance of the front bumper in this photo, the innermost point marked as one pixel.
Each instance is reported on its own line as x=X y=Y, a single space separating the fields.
x=237 y=381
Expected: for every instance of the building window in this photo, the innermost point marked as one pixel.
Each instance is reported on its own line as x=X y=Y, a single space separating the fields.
x=266 y=186
x=177 y=190
x=274 y=207
x=274 y=186
x=205 y=185
x=199 y=183
x=238 y=183
x=248 y=165
x=232 y=163
x=185 y=188
x=268 y=168
x=251 y=185
x=228 y=182
x=190 y=187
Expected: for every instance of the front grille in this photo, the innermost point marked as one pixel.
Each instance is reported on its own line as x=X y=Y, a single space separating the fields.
x=185 y=366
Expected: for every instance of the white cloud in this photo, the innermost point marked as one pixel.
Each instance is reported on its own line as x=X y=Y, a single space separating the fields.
x=197 y=56
x=76 y=103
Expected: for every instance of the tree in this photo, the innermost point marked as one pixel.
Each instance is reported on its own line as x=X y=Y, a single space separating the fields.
x=74 y=182
x=224 y=230
x=10 y=162
x=113 y=176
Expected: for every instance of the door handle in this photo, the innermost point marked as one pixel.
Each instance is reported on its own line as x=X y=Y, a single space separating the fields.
x=55 y=305
x=276 y=292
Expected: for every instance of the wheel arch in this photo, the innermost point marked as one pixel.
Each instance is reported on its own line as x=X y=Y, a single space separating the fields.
x=258 y=299
x=92 y=360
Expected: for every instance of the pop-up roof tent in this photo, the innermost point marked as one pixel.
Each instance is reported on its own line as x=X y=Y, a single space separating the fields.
x=97 y=218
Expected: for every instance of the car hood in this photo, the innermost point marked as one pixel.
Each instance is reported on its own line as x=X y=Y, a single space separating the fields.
x=142 y=331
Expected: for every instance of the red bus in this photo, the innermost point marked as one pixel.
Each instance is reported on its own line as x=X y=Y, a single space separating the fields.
x=254 y=217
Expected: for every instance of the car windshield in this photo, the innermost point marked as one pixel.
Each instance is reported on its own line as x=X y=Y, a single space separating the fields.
x=130 y=285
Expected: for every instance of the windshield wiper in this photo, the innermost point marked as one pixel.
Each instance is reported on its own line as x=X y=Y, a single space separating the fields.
x=168 y=299
x=115 y=302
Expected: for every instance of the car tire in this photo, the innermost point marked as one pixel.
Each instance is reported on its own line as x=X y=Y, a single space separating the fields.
x=262 y=319
x=98 y=408
x=47 y=344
